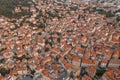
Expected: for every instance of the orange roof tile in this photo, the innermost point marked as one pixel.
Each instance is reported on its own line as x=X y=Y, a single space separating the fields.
x=12 y=72
x=91 y=69
x=77 y=59
x=48 y=58
x=21 y=53
x=110 y=73
x=113 y=40
x=87 y=77
x=63 y=60
x=67 y=65
x=88 y=52
x=1 y=77
x=45 y=73
x=80 y=50
x=109 y=54
x=117 y=52
x=67 y=46
x=20 y=41
x=88 y=61
x=38 y=68
x=104 y=61
x=116 y=35
x=56 y=50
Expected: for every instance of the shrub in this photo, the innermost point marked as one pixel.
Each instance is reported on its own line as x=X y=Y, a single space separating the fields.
x=118 y=18
x=4 y=71
x=7 y=7
x=100 y=72
x=109 y=14
x=32 y=72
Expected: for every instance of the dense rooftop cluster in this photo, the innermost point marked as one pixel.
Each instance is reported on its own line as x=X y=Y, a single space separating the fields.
x=59 y=41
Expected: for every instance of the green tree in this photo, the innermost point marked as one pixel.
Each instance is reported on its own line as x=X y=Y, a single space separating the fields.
x=4 y=71
x=118 y=18
x=109 y=14
x=59 y=40
x=100 y=72
x=7 y=7
x=2 y=60
x=47 y=49
x=32 y=72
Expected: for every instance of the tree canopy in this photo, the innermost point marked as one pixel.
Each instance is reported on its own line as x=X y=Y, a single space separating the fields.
x=7 y=7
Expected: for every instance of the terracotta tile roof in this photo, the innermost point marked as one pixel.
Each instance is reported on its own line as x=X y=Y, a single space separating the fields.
x=47 y=59
x=108 y=35
x=111 y=72
x=20 y=54
x=91 y=69
x=69 y=56
x=13 y=72
x=116 y=35
x=1 y=78
x=75 y=68
x=67 y=46
x=88 y=52
x=8 y=55
x=67 y=65
x=115 y=61
x=109 y=54
x=11 y=65
x=88 y=61
x=45 y=73
x=63 y=60
x=80 y=50
x=117 y=52
x=19 y=47
x=64 y=53
x=20 y=41
x=39 y=68
x=87 y=77
x=77 y=59
x=56 y=50
x=113 y=40
x=104 y=61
